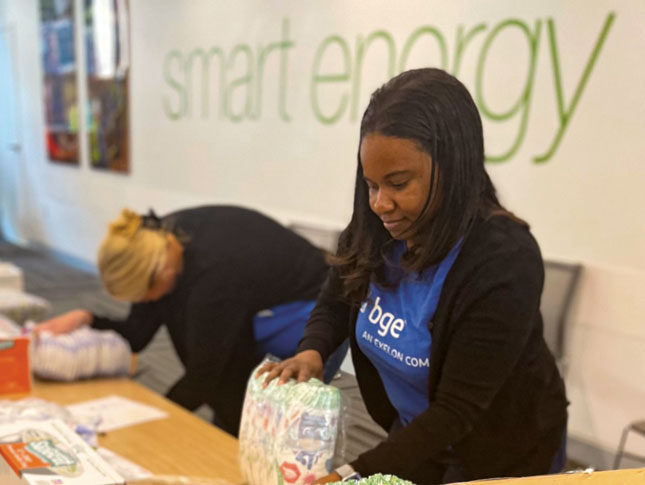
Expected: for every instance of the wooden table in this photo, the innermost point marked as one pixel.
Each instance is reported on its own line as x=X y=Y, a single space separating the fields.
x=617 y=477
x=182 y=444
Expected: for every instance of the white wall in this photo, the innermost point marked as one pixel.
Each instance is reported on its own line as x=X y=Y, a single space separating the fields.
x=584 y=202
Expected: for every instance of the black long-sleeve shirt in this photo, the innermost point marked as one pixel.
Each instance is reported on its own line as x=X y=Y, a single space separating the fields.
x=496 y=397
x=236 y=263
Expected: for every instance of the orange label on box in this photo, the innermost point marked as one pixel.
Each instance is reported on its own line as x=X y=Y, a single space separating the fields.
x=19 y=458
x=14 y=362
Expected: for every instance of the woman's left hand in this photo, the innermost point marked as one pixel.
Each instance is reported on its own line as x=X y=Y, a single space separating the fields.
x=331 y=478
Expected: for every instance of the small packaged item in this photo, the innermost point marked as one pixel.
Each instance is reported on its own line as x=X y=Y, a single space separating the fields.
x=15 y=377
x=37 y=452
x=288 y=433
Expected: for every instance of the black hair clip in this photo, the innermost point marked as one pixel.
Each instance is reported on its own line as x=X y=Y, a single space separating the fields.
x=151 y=220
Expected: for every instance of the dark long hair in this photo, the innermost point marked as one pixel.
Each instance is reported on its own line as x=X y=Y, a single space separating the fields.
x=435 y=110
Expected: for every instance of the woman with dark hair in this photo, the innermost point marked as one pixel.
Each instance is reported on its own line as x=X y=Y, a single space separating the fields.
x=438 y=287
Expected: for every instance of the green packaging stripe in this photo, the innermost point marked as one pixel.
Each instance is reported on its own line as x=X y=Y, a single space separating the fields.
x=313 y=393
x=377 y=479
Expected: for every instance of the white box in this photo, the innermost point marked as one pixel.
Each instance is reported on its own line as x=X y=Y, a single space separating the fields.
x=11 y=277
x=48 y=453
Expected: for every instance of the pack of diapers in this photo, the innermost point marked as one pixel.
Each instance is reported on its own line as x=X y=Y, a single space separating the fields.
x=20 y=307
x=288 y=433
x=377 y=479
x=80 y=354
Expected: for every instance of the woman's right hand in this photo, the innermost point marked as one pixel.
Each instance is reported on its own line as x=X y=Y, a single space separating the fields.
x=303 y=366
x=65 y=323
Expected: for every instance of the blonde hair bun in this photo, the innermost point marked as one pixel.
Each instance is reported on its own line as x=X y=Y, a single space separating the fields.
x=126 y=225
x=129 y=256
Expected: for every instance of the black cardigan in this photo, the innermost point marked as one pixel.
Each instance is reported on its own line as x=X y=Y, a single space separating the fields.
x=236 y=263
x=496 y=396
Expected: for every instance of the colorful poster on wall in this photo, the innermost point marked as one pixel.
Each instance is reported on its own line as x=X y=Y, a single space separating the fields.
x=60 y=87
x=107 y=44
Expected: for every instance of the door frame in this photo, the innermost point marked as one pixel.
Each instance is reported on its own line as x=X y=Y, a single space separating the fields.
x=9 y=30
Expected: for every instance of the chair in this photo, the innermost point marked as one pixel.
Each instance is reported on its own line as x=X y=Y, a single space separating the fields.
x=560 y=282
x=326 y=239
x=637 y=427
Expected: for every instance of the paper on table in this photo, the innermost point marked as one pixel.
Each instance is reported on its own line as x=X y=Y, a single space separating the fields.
x=124 y=467
x=116 y=412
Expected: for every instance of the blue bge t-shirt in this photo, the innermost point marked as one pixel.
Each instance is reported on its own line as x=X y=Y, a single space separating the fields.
x=392 y=331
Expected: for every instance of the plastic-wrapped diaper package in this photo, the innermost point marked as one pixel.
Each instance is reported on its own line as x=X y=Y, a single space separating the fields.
x=377 y=479
x=20 y=307
x=288 y=433
x=80 y=354
x=11 y=276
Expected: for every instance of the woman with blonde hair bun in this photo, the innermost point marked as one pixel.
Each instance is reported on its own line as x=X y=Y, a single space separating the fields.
x=209 y=274
x=130 y=255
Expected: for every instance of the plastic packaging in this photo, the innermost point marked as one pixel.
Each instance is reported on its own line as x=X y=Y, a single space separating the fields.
x=20 y=307
x=9 y=328
x=288 y=433
x=34 y=409
x=377 y=479
x=50 y=452
x=80 y=354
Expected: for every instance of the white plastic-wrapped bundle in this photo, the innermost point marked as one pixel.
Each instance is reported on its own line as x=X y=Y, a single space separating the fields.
x=288 y=433
x=20 y=307
x=80 y=354
x=11 y=277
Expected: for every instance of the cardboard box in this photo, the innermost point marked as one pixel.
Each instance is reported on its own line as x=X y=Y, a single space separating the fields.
x=15 y=377
x=50 y=453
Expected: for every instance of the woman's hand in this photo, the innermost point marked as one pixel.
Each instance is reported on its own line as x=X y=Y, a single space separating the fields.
x=65 y=323
x=303 y=366
x=331 y=478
